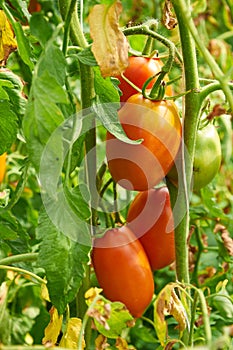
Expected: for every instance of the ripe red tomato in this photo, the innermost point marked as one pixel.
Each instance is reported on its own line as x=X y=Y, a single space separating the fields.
x=34 y=6
x=2 y=166
x=138 y=71
x=123 y=270
x=142 y=166
x=150 y=218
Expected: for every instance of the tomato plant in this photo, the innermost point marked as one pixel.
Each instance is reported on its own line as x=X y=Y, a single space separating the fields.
x=121 y=266
x=138 y=71
x=157 y=123
x=150 y=218
x=2 y=166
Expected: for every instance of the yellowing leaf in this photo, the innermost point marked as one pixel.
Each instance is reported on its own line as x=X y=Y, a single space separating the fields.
x=53 y=329
x=101 y=342
x=92 y=293
x=71 y=336
x=167 y=303
x=45 y=292
x=110 y=46
x=7 y=39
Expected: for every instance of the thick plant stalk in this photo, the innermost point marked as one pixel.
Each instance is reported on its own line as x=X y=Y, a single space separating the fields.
x=190 y=121
x=87 y=92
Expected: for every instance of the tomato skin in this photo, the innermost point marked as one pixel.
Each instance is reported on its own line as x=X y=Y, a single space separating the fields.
x=34 y=6
x=138 y=71
x=2 y=166
x=123 y=270
x=142 y=166
x=150 y=218
x=207 y=158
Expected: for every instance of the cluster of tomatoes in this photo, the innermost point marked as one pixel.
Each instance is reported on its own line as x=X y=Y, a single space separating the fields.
x=125 y=257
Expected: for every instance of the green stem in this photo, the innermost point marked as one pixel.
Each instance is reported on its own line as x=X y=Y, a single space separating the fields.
x=145 y=30
x=192 y=322
x=191 y=117
x=19 y=258
x=87 y=94
x=67 y=26
x=76 y=34
x=205 y=315
x=24 y=272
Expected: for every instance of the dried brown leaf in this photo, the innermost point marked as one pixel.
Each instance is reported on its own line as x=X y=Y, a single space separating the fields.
x=227 y=240
x=169 y=20
x=216 y=112
x=101 y=342
x=167 y=303
x=110 y=46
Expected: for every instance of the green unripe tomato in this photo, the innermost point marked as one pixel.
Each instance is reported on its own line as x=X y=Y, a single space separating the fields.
x=207 y=157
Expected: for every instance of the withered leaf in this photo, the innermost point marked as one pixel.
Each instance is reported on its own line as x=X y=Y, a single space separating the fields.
x=110 y=46
x=53 y=329
x=169 y=20
x=8 y=43
x=71 y=335
x=227 y=240
x=168 y=303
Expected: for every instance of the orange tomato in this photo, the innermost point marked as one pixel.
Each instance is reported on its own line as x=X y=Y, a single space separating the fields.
x=123 y=270
x=138 y=71
x=142 y=166
x=150 y=218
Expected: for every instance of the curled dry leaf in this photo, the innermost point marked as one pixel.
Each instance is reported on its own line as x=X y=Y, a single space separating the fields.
x=169 y=20
x=8 y=43
x=227 y=240
x=101 y=342
x=110 y=46
x=168 y=303
x=216 y=112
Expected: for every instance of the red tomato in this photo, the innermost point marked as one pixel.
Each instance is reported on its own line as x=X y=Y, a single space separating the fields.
x=123 y=270
x=34 y=6
x=142 y=166
x=138 y=71
x=2 y=166
x=150 y=218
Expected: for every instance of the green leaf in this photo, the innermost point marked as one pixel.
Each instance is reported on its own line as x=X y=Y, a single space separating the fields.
x=19 y=9
x=43 y=115
x=40 y=28
x=86 y=57
x=23 y=45
x=12 y=231
x=8 y=126
x=106 y=106
x=117 y=321
x=223 y=303
x=63 y=260
x=13 y=87
x=209 y=201
x=53 y=61
x=78 y=199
